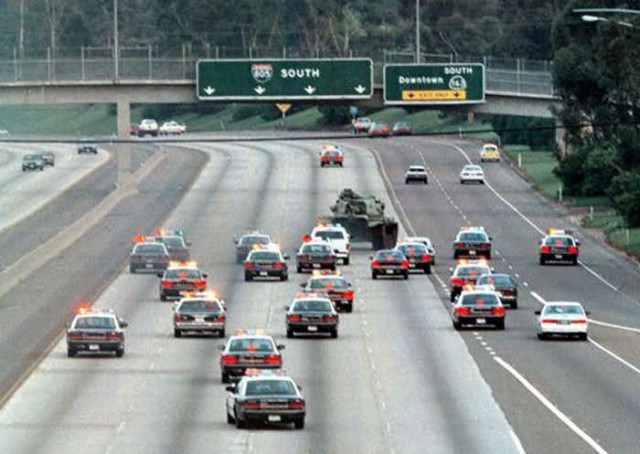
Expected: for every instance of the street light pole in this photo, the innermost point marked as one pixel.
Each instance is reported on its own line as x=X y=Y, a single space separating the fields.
x=417 y=31
x=116 y=50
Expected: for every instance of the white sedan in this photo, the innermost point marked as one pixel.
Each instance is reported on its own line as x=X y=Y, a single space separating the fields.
x=562 y=318
x=472 y=174
x=172 y=127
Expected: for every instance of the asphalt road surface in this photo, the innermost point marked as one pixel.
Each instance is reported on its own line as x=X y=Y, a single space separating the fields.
x=398 y=379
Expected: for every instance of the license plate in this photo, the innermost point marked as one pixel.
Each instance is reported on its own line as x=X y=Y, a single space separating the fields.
x=558 y=256
x=412 y=265
x=472 y=252
x=312 y=328
x=274 y=418
x=564 y=322
x=94 y=347
x=200 y=319
x=263 y=273
x=389 y=271
x=316 y=265
x=480 y=321
x=149 y=265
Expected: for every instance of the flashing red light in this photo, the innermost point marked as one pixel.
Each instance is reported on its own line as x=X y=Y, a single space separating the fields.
x=201 y=284
x=305 y=238
x=348 y=294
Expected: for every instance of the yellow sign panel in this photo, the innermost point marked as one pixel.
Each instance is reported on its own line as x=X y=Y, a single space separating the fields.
x=433 y=95
x=283 y=107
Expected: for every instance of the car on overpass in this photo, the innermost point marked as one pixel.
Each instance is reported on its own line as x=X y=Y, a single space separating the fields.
x=361 y=125
x=87 y=146
x=32 y=162
x=172 y=127
x=149 y=127
x=379 y=130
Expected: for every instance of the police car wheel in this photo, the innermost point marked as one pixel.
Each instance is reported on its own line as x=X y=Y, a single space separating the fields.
x=349 y=308
x=71 y=353
x=574 y=261
x=582 y=336
x=427 y=269
x=500 y=324
x=222 y=333
x=452 y=297
x=341 y=164
x=230 y=419
x=284 y=277
x=345 y=261
x=374 y=276
x=224 y=378
x=542 y=261
x=240 y=424
x=132 y=269
x=247 y=277
x=405 y=276
x=334 y=334
x=163 y=298
x=457 y=326
x=514 y=305
x=299 y=268
x=299 y=423
x=177 y=333
x=289 y=333
x=542 y=336
x=120 y=353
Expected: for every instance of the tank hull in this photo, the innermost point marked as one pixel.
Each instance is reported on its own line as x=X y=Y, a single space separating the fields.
x=382 y=235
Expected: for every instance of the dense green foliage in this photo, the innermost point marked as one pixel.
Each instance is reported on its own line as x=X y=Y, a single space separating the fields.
x=597 y=74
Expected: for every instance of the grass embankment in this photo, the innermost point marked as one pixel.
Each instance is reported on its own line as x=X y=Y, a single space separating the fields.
x=598 y=211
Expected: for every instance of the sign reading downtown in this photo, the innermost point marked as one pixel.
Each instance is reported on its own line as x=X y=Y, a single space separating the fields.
x=272 y=79
x=454 y=83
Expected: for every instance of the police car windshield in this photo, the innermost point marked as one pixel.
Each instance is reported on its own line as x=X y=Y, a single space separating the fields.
x=412 y=249
x=496 y=279
x=330 y=235
x=267 y=256
x=199 y=306
x=559 y=241
x=472 y=271
x=334 y=282
x=150 y=249
x=251 y=240
x=96 y=323
x=473 y=236
x=316 y=249
x=312 y=305
x=270 y=387
x=480 y=299
x=173 y=241
x=182 y=273
x=562 y=309
x=251 y=345
x=389 y=255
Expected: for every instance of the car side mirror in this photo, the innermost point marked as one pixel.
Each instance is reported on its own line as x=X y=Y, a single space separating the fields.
x=371 y=257
x=223 y=303
x=302 y=285
x=189 y=243
x=286 y=256
x=539 y=241
x=205 y=275
x=280 y=347
x=231 y=388
x=286 y=308
x=587 y=312
x=538 y=312
x=123 y=324
x=299 y=387
x=492 y=269
x=450 y=270
x=577 y=242
x=160 y=274
x=490 y=238
x=221 y=347
x=235 y=239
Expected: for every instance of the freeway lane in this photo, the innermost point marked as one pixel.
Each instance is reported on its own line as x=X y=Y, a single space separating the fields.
x=566 y=372
x=387 y=384
x=33 y=313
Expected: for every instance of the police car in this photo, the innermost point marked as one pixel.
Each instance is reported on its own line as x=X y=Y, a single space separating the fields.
x=247 y=242
x=337 y=236
x=472 y=242
x=431 y=249
x=245 y=350
x=466 y=274
x=95 y=332
x=315 y=255
x=559 y=246
x=265 y=397
x=181 y=277
x=417 y=254
x=265 y=262
x=478 y=308
x=332 y=285
x=199 y=313
x=331 y=155
x=148 y=255
x=416 y=173
x=175 y=242
x=312 y=314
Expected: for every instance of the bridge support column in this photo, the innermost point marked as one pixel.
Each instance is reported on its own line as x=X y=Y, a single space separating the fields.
x=123 y=150
x=561 y=140
x=471 y=116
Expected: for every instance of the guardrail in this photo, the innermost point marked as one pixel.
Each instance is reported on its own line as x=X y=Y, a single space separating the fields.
x=515 y=77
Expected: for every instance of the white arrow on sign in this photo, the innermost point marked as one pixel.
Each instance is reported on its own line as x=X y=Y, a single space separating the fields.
x=309 y=89
x=209 y=90
x=259 y=89
x=360 y=89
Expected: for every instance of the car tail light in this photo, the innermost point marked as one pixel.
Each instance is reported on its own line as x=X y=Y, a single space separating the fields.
x=339 y=157
x=272 y=359
x=297 y=404
x=375 y=263
x=484 y=246
x=425 y=258
x=458 y=245
x=324 y=158
x=277 y=265
x=572 y=249
x=329 y=318
x=348 y=294
x=136 y=257
x=113 y=335
x=580 y=321
x=229 y=359
x=167 y=284
x=249 y=265
x=221 y=318
x=405 y=263
x=545 y=249
x=456 y=281
x=74 y=336
x=462 y=310
x=548 y=320
x=250 y=404
x=201 y=284
x=499 y=310
x=348 y=246
x=293 y=317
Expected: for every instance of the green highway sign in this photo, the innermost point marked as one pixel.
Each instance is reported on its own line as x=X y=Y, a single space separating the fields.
x=453 y=83
x=273 y=79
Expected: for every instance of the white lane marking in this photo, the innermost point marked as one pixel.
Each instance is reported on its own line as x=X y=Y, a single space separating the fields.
x=525 y=284
x=540 y=299
x=552 y=408
x=483 y=343
x=517 y=442
x=530 y=222
x=120 y=426
x=614 y=356
x=611 y=325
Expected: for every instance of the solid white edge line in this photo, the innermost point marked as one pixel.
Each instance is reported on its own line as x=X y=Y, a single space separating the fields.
x=611 y=325
x=518 y=443
x=552 y=408
x=614 y=356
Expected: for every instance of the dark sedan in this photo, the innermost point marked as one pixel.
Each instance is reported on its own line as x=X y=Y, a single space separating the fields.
x=389 y=262
x=317 y=255
x=266 y=263
x=312 y=315
x=418 y=256
x=505 y=285
x=149 y=256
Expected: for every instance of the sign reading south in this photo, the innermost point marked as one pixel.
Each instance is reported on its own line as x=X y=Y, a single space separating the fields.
x=455 y=83
x=238 y=80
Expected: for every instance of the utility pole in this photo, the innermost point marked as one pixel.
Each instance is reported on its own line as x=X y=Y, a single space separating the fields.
x=116 y=50
x=417 y=31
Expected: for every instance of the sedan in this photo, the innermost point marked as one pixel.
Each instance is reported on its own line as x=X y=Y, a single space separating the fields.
x=504 y=284
x=478 y=308
x=380 y=130
x=389 y=262
x=312 y=315
x=472 y=174
x=562 y=318
x=32 y=162
x=401 y=129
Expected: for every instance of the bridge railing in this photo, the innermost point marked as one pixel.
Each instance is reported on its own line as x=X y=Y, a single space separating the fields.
x=517 y=77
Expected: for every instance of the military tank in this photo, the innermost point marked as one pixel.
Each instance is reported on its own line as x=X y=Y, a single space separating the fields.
x=364 y=219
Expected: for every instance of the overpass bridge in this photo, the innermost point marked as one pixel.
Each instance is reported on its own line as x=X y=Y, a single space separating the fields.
x=511 y=89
